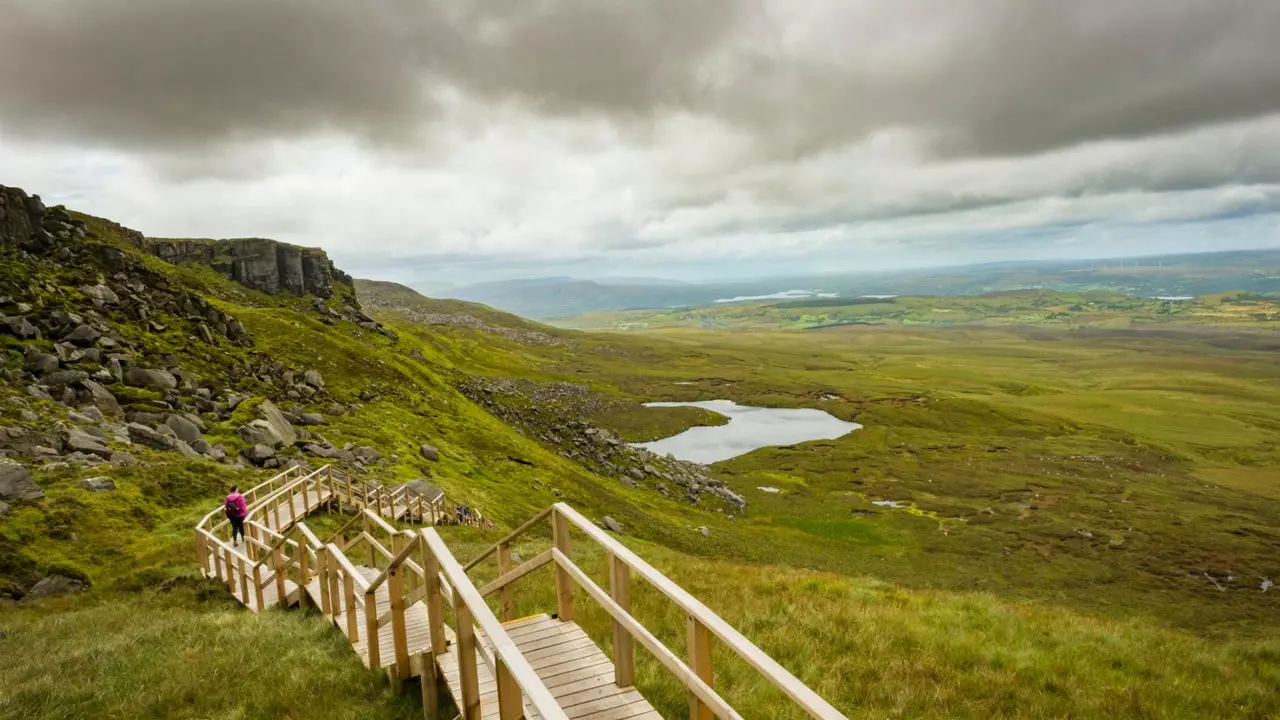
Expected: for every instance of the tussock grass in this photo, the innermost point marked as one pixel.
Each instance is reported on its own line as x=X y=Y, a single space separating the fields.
x=189 y=652
x=875 y=650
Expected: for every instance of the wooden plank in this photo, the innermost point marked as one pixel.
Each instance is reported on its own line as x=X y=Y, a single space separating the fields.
x=588 y=709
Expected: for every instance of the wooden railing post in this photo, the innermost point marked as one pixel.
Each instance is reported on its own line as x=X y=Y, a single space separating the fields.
x=510 y=699
x=257 y=586
x=293 y=511
x=277 y=559
x=304 y=572
x=430 y=686
x=244 y=584
x=435 y=601
x=217 y=564
x=700 y=662
x=231 y=573
x=564 y=583
x=322 y=572
x=395 y=592
x=275 y=512
x=624 y=652
x=349 y=591
x=507 y=607
x=371 y=630
x=201 y=553
x=470 y=700
x=306 y=502
x=335 y=585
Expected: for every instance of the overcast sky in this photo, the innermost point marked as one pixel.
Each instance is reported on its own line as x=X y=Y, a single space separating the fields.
x=463 y=141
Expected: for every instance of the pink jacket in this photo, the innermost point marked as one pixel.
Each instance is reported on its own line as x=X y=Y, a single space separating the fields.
x=238 y=500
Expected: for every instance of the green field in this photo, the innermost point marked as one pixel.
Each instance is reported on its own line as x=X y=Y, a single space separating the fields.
x=1087 y=508
x=1040 y=308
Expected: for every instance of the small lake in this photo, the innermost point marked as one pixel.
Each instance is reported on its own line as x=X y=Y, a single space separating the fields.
x=748 y=428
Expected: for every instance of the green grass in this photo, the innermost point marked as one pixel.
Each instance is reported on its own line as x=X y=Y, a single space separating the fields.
x=1066 y=490
x=186 y=651
x=876 y=650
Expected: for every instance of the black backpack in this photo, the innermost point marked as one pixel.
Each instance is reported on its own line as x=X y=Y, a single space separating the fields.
x=232 y=510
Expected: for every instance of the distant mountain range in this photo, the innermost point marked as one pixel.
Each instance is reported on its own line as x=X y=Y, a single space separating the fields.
x=1171 y=275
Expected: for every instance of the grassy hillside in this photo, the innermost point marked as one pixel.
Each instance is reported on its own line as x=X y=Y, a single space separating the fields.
x=1084 y=519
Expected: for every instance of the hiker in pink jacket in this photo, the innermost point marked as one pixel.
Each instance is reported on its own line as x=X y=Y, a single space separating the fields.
x=236 y=510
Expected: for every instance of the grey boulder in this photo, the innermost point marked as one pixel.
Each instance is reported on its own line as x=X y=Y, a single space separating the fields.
x=186 y=430
x=62 y=378
x=271 y=414
x=83 y=336
x=41 y=363
x=55 y=585
x=258 y=454
x=103 y=399
x=142 y=377
x=430 y=452
x=610 y=524
x=100 y=294
x=16 y=483
x=140 y=433
x=98 y=484
x=80 y=441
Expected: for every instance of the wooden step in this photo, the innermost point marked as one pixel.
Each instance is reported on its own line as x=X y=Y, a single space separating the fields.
x=574 y=669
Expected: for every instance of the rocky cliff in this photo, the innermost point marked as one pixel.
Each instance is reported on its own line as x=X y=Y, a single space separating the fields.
x=265 y=265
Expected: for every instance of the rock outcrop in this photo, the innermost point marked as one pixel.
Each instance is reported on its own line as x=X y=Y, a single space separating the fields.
x=264 y=265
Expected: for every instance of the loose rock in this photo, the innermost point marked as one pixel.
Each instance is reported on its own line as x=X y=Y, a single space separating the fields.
x=16 y=483
x=55 y=585
x=98 y=484
x=141 y=377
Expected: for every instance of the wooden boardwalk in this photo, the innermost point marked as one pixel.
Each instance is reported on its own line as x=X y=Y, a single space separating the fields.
x=544 y=666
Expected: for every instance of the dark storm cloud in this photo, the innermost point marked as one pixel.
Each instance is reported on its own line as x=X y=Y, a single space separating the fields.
x=179 y=73
x=976 y=76
x=1018 y=76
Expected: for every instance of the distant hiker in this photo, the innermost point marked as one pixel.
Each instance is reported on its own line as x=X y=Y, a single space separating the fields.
x=458 y=509
x=236 y=513
x=466 y=513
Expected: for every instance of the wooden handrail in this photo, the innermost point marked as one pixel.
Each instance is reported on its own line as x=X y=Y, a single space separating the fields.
x=807 y=699
x=311 y=538
x=504 y=648
x=336 y=553
x=396 y=560
x=383 y=524
x=683 y=672
x=510 y=536
x=519 y=572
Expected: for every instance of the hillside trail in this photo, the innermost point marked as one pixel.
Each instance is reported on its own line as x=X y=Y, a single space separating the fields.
x=408 y=607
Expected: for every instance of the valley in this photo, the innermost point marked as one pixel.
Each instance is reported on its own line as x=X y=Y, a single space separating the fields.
x=1039 y=516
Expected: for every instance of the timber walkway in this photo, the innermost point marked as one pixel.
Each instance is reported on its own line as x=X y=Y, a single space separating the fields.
x=410 y=609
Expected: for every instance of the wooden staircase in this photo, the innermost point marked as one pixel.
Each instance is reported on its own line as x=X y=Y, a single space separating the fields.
x=387 y=590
